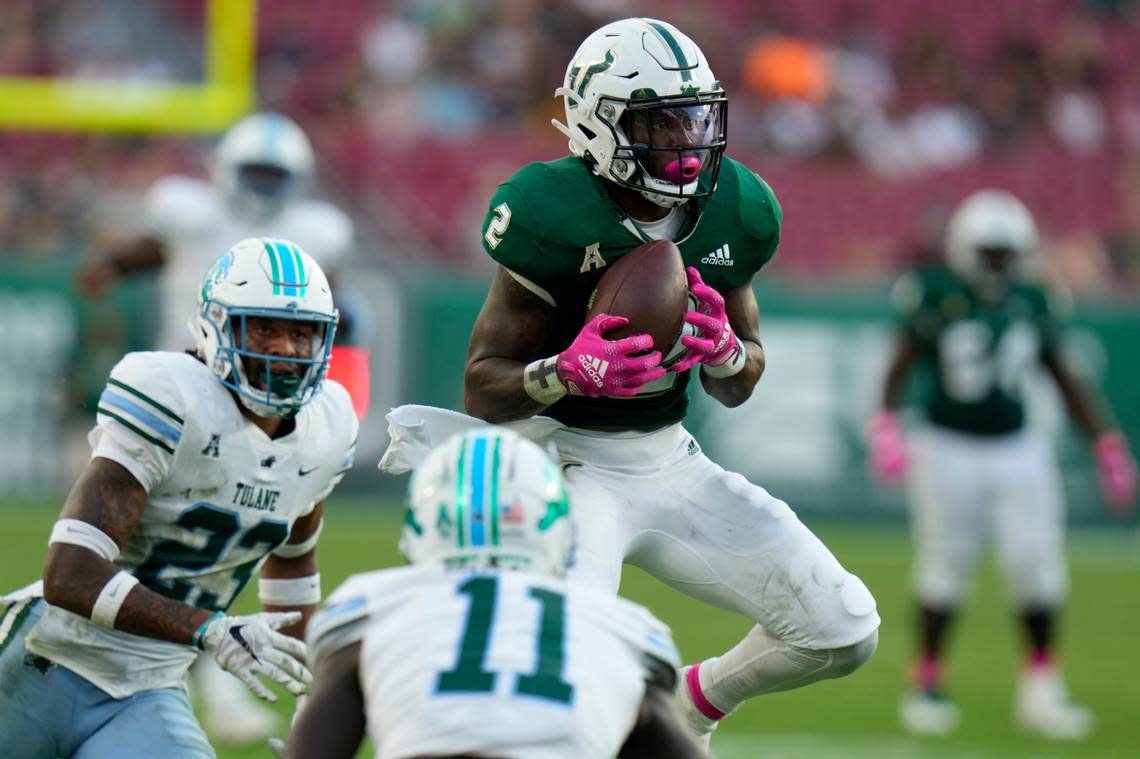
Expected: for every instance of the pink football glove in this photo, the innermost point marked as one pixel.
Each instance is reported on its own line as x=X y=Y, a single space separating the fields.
x=887 y=445
x=717 y=343
x=596 y=367
x=1117 y=470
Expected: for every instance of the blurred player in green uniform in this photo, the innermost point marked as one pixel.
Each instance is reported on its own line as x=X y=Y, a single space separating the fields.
x=978 y=326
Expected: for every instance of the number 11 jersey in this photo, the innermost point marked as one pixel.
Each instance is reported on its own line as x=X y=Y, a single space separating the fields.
x=508 y=664
x=221 y=496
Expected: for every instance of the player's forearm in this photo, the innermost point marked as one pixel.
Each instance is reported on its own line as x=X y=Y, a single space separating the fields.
x=905 y=356
x=140 y=255
x=74 y=578
x=494 y=391
x=332 y=724
x=736 y=389
x=291 y=585
x=1083 y=408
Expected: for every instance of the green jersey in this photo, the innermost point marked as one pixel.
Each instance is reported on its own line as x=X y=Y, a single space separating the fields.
x=977 y=353
x=554 y=226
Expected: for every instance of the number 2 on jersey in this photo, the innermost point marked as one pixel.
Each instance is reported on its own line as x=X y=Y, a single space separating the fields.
x=469 y=676
x=498 y=225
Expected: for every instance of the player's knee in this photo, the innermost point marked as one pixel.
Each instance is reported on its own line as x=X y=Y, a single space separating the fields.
x=846 y=660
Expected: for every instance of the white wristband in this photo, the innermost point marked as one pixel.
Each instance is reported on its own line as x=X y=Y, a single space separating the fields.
x=732 y=366
x=541 y=381
x=297 y=591
x=76 y=532
x=111 y=598
x=293 y=550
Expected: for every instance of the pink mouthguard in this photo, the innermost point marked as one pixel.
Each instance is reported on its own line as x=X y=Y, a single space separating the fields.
x=687 y=168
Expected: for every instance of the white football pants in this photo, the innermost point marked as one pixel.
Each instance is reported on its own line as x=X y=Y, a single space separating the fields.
x=961 y=487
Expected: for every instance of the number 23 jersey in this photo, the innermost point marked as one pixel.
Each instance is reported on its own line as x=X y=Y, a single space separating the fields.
x=510 y=665
x=221 y=496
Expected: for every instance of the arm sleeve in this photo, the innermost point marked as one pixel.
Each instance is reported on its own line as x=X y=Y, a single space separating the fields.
x=139 y=419
x=648 y=637
x=762 y=217
x=331 y=235
x=346 y=613
x=176 y=205
x=915 y=309
x=351 y=429
x=512 y=235
x=1053 y=313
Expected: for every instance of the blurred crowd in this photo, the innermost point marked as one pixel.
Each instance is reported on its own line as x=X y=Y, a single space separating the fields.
x=868 y=117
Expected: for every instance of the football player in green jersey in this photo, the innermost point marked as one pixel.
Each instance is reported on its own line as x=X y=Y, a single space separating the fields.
x=979 y=325
x=646 y=119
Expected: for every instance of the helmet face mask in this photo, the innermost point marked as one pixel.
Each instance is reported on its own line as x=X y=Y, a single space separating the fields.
x=261 y=163
x=489 y=498
x=644 y=110
x=260 y=295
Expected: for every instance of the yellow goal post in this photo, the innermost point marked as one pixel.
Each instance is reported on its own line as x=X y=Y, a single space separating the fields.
x=225 y=94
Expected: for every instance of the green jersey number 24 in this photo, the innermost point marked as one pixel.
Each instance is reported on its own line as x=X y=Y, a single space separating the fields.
x=974 y=362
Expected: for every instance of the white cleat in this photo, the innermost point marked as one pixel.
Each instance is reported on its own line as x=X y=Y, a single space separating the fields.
x=231 y=715
x=923 y=713
x=1042 y=706
x=240 y=725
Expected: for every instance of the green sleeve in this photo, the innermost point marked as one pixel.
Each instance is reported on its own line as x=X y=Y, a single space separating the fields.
x=762 y=217
x=915 y=308
x=1051 y=314
x=512 y=233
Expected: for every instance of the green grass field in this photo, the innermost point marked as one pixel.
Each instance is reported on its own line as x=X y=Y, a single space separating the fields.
x=853 y=717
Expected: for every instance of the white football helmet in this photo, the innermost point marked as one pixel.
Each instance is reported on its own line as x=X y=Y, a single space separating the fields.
x=261 y=162
x=644 y=110
x=489 y=498
x=272 y=279
x=991 y=238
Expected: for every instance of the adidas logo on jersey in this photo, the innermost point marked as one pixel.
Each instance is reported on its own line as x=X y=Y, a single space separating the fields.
x=719 y=257
x=595 y=368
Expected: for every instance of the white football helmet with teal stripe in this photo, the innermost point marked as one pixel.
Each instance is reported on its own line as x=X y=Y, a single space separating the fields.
x=644 y=110
x=269 y=279
x=261 y=162
x=489 y=497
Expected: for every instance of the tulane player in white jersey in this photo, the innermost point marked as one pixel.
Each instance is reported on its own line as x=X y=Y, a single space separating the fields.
x=261 y=170
x=205 y=469
x=480 y=649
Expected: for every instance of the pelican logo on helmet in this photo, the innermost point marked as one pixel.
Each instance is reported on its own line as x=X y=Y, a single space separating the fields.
x=217 y=273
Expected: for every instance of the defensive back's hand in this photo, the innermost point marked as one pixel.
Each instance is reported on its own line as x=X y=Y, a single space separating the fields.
x=596 y=367
x=250 y=645
x=886 y=446
x=1116 y=468
x=716 y=341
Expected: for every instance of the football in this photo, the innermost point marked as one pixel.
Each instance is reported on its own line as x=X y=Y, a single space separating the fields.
x=647 y=286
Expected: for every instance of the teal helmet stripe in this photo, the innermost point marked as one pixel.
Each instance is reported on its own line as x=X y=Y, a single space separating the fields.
x=301 y=276
x=478 y=489
x=275 y=268
x=460 y=493
x=288 y=268
x=274 y=126
x=675 y=48
x=495 y=491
